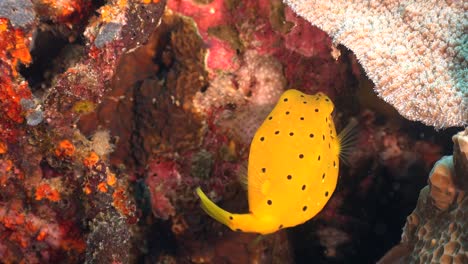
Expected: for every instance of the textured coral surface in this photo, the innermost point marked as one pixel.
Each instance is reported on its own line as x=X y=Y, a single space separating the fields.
x=414 y=51
x=435 y=232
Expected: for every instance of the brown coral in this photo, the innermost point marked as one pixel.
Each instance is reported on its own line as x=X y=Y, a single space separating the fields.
x=435 y=231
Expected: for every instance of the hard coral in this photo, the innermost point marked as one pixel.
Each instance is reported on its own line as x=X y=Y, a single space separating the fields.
x=460 y=159
x=412 y=51
x=435 y=230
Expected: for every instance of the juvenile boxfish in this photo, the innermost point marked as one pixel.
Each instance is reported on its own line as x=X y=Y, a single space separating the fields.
x=292 y=167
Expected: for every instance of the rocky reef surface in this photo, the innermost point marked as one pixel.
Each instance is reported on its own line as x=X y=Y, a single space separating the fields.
x=112 y=112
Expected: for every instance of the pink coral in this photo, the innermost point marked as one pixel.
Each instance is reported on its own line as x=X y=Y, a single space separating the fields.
x=163 y=178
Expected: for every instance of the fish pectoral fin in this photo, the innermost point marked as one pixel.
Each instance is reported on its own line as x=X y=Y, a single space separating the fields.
x=348 y=139
x=213 y=210
x=242 y=172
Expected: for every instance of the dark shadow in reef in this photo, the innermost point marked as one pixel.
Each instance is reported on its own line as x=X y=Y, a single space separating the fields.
x=379 y=216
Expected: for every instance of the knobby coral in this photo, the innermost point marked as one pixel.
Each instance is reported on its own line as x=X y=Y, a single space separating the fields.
x=414 y=51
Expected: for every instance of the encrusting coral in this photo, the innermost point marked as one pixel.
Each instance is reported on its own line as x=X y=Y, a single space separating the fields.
x=412 y=50
x=435 y=231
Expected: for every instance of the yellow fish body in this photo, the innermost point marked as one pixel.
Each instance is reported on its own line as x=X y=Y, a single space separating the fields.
x=293 y=166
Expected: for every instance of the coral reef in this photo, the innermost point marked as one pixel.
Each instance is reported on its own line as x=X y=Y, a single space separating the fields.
x=63 y=185
x=435 y=230
x=112 y=113
x=413 y=51
x=13 y=88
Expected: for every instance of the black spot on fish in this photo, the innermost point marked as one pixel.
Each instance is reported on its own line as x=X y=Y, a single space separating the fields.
x=262 y=138
x=231 y=218
x=302 y=96
x=289 y=177
x=329 y=145
x=287 y=112
x=303 y=187
x=316 y=110
x=318 y=157
x=276 y=132
x=285 y=99
x=323 y=176
x=280 y=226
x=291 y=133
x=302 y=118
x=270 y=118
x=326 y=194
x=323 y=136
x=304 y=208
x=334 y=164
x=304 y=102
x=326 y=119
x=269 y=202
x=263 y=170
x=311 y=135
x=301 y=156
x=326 y=99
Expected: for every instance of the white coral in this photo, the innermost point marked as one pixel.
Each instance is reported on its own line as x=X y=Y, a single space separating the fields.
x=414 y=51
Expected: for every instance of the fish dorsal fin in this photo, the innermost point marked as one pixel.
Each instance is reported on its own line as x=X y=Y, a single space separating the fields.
x=348 y=139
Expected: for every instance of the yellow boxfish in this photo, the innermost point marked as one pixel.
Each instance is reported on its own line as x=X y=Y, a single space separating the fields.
x=293 y=166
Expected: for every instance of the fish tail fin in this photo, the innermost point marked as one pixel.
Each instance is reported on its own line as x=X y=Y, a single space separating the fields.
x=212 y=209
x=348 y=139
x=236 y=222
